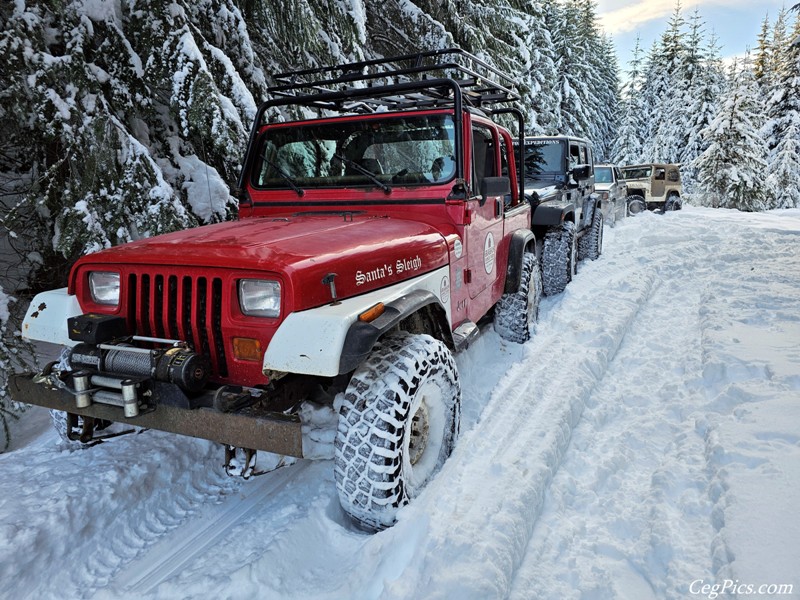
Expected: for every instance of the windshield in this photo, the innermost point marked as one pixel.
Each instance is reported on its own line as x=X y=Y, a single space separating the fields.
x=384 y=151
x=636 y=172
x=543 y=156
x=603 y=175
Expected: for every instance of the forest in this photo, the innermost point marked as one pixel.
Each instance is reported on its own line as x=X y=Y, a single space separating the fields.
x=122 y=120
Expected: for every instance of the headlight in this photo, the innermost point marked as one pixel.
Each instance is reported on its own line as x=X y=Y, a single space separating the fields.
x=260 y=297
x=104 y=287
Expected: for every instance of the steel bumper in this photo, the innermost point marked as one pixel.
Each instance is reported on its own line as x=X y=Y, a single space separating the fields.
x=245 y=428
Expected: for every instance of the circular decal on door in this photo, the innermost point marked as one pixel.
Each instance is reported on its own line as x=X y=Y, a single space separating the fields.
x=458 y=248
x=444 y=289
x=488 y=253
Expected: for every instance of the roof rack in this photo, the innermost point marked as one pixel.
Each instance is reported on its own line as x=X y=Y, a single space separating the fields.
x=422 y=80
x=435 y=79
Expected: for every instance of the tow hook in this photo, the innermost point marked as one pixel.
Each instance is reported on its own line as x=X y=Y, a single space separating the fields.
x=85 y=430
x=235 y=466
x=245 y=466
x=86 y=433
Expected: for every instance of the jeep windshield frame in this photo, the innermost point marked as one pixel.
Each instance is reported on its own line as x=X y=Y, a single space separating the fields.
x=383 y=150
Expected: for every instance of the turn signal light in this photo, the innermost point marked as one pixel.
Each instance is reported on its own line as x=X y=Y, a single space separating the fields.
x=372 y=313
x=247 y=349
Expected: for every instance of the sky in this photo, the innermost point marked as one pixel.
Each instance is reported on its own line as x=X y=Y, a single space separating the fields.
x=736 y=23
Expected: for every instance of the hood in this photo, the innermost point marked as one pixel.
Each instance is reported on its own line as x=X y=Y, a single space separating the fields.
x=543 y=189
x=365 y=252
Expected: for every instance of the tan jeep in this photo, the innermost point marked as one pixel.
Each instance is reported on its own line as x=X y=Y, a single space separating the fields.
x=653 y=187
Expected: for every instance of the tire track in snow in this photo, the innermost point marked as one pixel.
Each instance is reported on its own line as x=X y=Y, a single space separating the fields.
x=623 y=522
x=183 y=545
x=481 y=510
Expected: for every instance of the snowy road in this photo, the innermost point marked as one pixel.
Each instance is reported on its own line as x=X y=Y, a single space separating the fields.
x=644 y=443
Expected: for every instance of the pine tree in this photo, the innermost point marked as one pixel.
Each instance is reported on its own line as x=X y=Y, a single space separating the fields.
x=783 y=130
x=540 y=71
x=607 y=118
x=572 y=84
x=671 y=84
x=777 y=99
x=628 y=144
x=731 y=170
x=14 y=355
x=762 y=63
x=703 y=102
x=124 y=123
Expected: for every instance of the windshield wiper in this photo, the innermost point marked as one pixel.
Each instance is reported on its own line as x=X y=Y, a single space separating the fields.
x=286 y=177
x=366 y=172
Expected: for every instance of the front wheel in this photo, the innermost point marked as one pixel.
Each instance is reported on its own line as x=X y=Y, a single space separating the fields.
x=636 y=205
x=398 y=422
x=517 y=312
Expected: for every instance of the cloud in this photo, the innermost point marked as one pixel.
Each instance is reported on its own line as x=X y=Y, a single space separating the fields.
x=630 y=17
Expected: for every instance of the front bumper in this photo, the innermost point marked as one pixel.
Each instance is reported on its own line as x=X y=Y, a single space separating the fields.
x=249 y=427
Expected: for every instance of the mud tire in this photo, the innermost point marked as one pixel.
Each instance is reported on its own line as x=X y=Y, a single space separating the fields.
x=636 y=205
x=558 y=258
x=398 y=422
x=591 y=244
x=517 y=312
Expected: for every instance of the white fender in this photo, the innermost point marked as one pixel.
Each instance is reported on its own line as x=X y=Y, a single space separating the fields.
x=310 y=342
x=46 y=319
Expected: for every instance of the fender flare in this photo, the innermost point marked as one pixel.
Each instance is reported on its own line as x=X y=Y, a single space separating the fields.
x=521 y=240
x=361 y=336
x=552 y=213
x=318 y=341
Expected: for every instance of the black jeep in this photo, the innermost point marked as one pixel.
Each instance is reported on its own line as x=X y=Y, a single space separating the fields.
x=559 y=184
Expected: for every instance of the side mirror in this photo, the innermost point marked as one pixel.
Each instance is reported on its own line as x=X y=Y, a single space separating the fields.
x=582 y=172
x=494 y=186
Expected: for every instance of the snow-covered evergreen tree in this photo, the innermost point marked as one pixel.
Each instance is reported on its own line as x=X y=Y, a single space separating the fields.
x=731 y=170
x=588 y=77
x=13 y=357
x=126 y=121
x=783 y=129
x=540 y=76
x=628 y=144
x=702 y=100
x=667 y=87
x=573 y=86
x=762 y=65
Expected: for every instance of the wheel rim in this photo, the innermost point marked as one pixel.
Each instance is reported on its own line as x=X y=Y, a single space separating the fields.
x=420 y=431
x=424 y=436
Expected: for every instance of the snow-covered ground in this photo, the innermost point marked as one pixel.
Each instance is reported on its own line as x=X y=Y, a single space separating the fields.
x=644 y=444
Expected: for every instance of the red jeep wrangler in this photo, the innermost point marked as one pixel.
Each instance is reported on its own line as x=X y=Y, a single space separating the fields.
x=371 y=240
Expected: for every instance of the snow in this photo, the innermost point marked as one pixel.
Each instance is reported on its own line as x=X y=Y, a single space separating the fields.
x=643 y=444
x=206 y=191
x=5 y=300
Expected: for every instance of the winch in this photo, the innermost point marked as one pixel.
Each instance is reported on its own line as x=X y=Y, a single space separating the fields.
x=106 y=367
x=181 y=366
